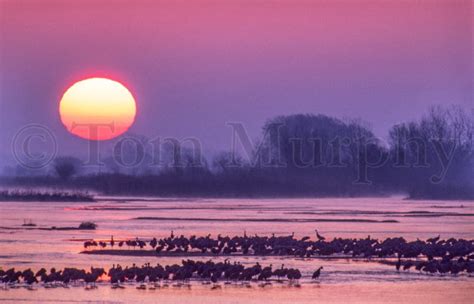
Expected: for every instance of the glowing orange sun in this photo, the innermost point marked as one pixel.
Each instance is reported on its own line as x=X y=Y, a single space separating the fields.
x=97 y=109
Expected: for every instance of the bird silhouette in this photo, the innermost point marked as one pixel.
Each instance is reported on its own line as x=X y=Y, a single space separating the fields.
x=320 y=237
x=317 y=273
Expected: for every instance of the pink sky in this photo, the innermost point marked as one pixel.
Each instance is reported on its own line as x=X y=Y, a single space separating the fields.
x=195 y=65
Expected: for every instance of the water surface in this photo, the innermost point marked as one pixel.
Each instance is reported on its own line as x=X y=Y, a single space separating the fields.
x=343 y=280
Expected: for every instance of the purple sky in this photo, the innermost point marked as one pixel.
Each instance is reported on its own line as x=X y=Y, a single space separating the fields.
x=192 y=68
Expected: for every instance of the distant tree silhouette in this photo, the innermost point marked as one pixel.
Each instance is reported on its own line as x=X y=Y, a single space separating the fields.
x=297 y=155
x=434 y=157
x=66 y=166
x=227 y=161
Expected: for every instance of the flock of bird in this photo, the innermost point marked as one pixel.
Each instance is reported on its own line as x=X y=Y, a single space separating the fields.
x=432 y=256
x=441 y=266
x=290 y=246
x=11 y=277
x=208 y=272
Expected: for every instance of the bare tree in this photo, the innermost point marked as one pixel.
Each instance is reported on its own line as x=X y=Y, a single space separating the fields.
x=66 y=166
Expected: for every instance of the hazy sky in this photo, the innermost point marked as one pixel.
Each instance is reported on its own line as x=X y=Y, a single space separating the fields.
x=194 y=67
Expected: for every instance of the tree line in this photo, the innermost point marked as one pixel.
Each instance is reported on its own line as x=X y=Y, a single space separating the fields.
x=297 y=155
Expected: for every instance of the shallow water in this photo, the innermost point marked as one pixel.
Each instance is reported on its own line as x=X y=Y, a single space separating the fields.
x=342 y=280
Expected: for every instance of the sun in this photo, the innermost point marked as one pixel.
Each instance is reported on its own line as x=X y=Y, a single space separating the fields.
x=97 y=109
